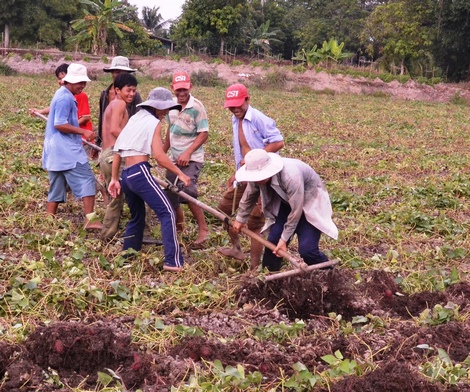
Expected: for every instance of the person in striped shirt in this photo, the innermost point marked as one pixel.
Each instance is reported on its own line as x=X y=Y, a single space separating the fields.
x=188 y=131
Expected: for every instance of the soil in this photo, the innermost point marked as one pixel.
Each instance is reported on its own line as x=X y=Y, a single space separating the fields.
x=316 y=81
x=77 y=351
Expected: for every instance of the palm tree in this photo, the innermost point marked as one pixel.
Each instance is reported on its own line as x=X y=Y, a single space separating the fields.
x=153 y=20
x=94 y=28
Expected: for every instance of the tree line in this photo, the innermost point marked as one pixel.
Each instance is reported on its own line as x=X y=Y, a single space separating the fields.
x=420 y=37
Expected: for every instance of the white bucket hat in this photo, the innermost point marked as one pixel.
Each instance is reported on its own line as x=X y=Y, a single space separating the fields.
x=76 y=73
x=160 y=98
x=119 y=63
x=259 y=165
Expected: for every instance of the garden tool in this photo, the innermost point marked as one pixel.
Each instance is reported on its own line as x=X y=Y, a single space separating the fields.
x=93 y=146
x=297 y=263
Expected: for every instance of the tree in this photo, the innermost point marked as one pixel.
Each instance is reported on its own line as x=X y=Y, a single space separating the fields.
x=210 y=23
x=342 y=19
x=153 y=20
x=452 y=47
x=42 y=22
x=94 y=28
x=400 y=32
x=223 y=19
x=11 y=12
x=274 y=13
x=138 y=42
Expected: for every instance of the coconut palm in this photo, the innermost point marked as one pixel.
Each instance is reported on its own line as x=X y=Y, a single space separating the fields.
x=153 y=20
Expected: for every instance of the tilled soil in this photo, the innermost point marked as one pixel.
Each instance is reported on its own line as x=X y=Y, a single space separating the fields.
x=392 y=338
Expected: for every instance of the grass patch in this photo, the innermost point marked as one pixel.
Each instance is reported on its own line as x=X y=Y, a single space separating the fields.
x=206 y=79
x=6 y=70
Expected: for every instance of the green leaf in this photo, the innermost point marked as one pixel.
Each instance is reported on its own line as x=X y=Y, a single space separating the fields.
x=338 y=354
x=329 y=359
x=104 y=379
x=299 y=366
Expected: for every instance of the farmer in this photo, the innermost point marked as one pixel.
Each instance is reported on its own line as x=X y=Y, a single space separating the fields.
x=294 y=200
x=119 y=64
x=84 y=121
x=114 y=119
x=140 y=138
x=187 y=134
x=251 y=129
x=64 y=156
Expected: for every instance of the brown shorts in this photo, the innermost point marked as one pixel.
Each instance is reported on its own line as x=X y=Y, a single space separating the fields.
x=229 y=207
x=193 y=170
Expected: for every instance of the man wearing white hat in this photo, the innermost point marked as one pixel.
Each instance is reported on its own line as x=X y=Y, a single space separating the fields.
x=119 y=65
x=63 y=155
x=294 y=201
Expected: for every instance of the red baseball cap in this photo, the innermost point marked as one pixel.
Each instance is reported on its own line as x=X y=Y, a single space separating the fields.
x=235 y=95
x=181 y=79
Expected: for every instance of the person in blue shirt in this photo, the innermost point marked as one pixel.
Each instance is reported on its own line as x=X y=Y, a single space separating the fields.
x=251 y=129
x=63 y=155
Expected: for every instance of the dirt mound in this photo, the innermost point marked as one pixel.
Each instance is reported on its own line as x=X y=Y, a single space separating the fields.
x=379 y=380
x=77 y=352
x=336 y=291
x=245 y=73
x=275 y=324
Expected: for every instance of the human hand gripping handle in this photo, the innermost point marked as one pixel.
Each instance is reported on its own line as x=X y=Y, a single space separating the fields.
x=237 y=226
x=88 y=135
x=184 y=179
x=280 y=247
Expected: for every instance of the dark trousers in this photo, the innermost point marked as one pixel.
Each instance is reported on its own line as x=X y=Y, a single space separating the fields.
x=140 y=187
x=308 y=237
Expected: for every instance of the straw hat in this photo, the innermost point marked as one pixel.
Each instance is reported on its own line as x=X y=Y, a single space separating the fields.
x=259 y=165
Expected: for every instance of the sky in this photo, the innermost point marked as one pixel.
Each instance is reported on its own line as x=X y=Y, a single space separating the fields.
x=169 y=9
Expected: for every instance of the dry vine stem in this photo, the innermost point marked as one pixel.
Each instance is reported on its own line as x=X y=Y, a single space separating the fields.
x=297 y=263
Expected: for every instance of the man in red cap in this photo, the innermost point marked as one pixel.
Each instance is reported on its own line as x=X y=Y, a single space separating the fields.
x=251 y=129
x=189 y=129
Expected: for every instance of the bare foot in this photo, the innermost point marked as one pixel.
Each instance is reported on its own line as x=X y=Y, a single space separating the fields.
x=172 y=268
x=200 y=240
x=232 y=252
x=90 y=226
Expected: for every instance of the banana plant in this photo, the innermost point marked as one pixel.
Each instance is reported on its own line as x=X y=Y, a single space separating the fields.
x=336 y=51
x=311 y=57
x=330 y=50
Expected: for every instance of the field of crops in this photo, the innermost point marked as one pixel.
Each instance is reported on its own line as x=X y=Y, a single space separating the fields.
x=393 y=315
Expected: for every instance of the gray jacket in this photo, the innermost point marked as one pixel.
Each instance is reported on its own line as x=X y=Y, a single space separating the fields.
x=300 y=186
